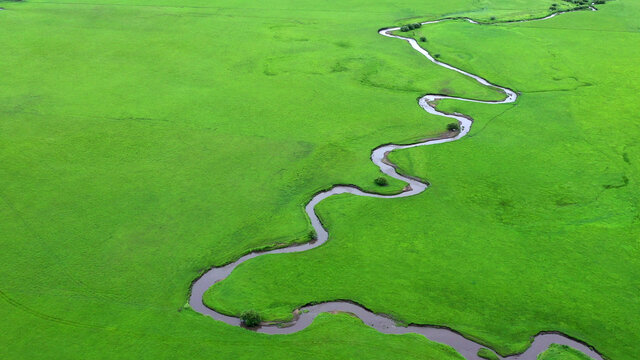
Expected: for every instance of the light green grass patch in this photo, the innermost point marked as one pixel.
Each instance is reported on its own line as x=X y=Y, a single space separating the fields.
x=562 y=352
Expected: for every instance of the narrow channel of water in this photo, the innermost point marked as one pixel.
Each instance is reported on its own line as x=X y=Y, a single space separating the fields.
x=305 y=315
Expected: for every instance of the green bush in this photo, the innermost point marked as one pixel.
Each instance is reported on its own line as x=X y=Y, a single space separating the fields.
x=487 y=354
x=423 y=39
x=407 y=27
x=453 y=126
x=381 y=181
x=250 y=318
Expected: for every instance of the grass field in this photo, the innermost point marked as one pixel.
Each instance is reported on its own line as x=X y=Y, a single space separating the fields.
x=144 y=141
x=559 y=352
x=532 y=222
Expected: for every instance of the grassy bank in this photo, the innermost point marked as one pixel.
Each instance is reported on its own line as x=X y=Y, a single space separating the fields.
x=560 y=352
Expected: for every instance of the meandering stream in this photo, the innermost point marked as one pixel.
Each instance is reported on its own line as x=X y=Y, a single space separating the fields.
x=305 y=315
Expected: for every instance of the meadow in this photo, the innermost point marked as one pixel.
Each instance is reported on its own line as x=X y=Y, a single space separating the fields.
x=532 y=221
x=143 y=142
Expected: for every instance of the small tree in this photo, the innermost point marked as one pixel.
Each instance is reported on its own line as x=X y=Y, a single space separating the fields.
x=311 y=235
x=453 y=126
x=404 y=28
x=423 y=39
x=250 y=318
x=381 y=181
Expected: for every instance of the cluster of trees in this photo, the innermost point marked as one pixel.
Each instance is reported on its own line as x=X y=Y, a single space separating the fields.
x=409 y=27
x=581 y=4
x=585 y=2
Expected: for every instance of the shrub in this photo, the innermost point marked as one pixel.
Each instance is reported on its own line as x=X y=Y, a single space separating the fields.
x=423 y=39
x=487 y=354
x=408 y=27
x=311 y=235
x=250 y=318
x=453 y=126
x=381 y=181
x=493 y=18
x=437 y=56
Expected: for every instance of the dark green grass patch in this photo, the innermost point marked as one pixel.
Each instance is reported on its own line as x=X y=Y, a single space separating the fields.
x=487 y=354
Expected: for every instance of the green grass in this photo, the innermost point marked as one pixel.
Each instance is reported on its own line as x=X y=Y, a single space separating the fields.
x=147 y=333
x=487 y=354
x=562 y=352
x=532 y=222
x=145 y=141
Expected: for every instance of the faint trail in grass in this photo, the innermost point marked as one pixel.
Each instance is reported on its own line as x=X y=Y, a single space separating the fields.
x=42 y=315
x=29 y=230
x=305 y=315
x=490 y=120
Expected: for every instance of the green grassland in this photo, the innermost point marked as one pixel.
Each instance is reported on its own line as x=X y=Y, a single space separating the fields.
x=532 y=222
x=561 y=352
x=145 y=141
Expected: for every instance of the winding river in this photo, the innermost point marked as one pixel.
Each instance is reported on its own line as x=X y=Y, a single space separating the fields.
x=305 y=315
